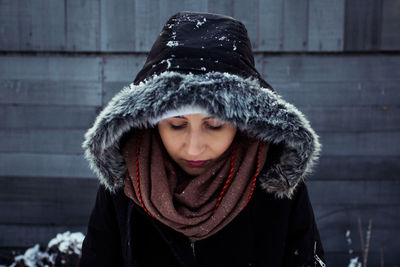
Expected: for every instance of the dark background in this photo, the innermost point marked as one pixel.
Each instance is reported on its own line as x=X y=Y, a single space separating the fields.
x=336 y=60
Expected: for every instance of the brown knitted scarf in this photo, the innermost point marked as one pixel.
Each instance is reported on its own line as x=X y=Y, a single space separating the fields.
x=197 y=206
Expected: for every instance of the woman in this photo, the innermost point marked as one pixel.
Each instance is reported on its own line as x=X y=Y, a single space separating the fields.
x=200 y=162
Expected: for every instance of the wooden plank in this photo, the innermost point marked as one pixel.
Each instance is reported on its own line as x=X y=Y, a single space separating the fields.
x=270 y=25
x=326 y=25
x=20 y=212
x=83 y=25
x=340 y=94
x=362 y=25
x=33 y=92
x=9 y=21
x=196 y=5
x=38 y=26
x=295 y=24
x=50 y=68
x=50 y=26
x=61 y=201
x=147 y=23
x=118 y=26
x=44 y=165
x=54 y=141
x=360 y=143
x=331 y=68
x=241 y=11
x=360 y=193
x=353 y=119
x=349 y=167
x=223 y=7
x=46 y=117
x=28 y=236
x=390 y=37
x=48 y=189
x=47 y=27
x=123 y=68
x=346 y=216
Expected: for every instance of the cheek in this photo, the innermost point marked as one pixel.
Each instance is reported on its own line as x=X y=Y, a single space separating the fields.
x=222 y=142
x=170 y=141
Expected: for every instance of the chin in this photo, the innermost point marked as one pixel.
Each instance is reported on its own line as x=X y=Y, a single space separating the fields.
x=194 y=172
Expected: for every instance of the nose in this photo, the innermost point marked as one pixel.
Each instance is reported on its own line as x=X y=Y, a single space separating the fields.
x=195 y=144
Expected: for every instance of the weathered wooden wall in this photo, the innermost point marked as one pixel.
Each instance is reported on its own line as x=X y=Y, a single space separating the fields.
x=131 y=26
x=337 y=61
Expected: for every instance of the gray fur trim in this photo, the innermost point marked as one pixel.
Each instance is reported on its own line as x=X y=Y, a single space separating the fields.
x=243 y=102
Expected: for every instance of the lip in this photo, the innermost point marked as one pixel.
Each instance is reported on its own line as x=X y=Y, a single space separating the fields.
x=196 y=163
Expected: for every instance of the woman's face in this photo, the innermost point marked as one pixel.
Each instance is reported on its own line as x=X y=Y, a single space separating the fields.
x=195 y=141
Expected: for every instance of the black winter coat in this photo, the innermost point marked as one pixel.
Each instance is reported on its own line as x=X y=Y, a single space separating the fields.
x=269 y=232
x=205 y=60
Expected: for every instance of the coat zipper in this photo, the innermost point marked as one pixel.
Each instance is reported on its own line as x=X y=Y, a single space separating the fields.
x=193 y=249
x=316 y=256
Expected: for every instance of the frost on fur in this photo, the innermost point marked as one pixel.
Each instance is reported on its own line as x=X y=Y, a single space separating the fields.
x=243 y=102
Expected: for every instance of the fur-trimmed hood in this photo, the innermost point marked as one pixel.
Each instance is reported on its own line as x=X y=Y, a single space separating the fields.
x=244 y=100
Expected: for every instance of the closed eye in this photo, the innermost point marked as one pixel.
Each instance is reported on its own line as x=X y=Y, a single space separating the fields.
x=179 y=126
x=214 y=127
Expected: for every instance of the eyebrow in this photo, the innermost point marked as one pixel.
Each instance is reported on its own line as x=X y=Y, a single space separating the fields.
x=209 y=117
